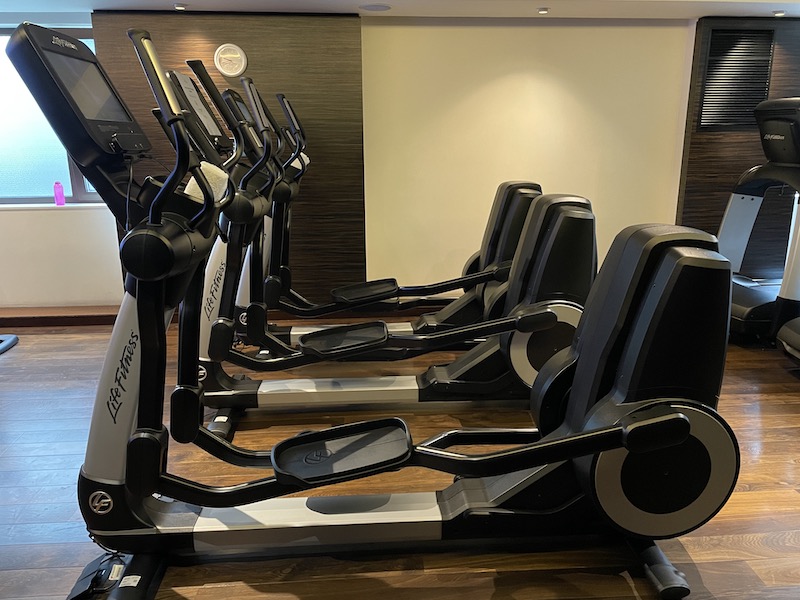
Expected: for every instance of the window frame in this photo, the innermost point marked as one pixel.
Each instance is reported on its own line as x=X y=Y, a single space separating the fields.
x=80 y=193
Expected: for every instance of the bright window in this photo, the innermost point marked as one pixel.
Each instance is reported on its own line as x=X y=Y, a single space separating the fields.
x=31 y=155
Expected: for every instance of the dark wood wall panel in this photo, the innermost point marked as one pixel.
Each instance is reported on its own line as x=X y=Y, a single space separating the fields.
x=316 y=62
x=713 y=160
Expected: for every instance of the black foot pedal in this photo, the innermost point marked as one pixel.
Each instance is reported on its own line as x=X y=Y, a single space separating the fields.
x=342 y=453
x=346 y=340
x=373 y=291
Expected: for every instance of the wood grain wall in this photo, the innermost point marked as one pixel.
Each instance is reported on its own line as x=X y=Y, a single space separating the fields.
x=316 y=62
x=713 y=160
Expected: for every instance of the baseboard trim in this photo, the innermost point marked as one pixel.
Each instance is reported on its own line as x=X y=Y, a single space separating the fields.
x=57 y=316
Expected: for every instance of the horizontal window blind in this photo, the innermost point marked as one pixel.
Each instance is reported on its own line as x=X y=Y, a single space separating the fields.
x=737 y=77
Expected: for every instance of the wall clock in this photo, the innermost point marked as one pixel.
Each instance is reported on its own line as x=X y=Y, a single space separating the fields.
x=230 y=60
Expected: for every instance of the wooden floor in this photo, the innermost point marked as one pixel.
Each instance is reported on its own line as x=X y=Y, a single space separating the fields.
x=749 y=551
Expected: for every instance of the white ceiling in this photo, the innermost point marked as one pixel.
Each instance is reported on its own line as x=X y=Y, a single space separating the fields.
x=75 y=12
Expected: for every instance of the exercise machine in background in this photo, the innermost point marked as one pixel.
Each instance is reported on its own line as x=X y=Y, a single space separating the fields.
x=762 y=306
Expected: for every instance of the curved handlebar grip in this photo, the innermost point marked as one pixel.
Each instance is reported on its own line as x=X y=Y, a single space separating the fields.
x=257 y=110
x=256 y=106
x=157 y=77
x=254 y=97
x=294 y=123
x=233 y=107
x=199 y=69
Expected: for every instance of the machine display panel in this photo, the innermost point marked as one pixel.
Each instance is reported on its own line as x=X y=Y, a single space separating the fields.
x=198 y=106
x=87 y=86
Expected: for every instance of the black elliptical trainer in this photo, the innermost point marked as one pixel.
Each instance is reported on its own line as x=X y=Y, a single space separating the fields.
x=629 y=443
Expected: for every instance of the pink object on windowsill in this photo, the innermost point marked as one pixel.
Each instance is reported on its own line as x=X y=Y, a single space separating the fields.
x=58 y=194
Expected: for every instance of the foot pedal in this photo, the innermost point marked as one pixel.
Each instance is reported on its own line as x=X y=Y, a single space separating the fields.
x=372 y=291
x=344 y=341
x=343 y=452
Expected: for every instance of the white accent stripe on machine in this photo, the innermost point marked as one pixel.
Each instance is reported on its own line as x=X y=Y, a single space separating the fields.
x=319 y=522
x=352 y=390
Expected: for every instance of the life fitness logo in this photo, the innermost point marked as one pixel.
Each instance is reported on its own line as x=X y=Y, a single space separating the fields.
x=57 y=41
x=101 y=503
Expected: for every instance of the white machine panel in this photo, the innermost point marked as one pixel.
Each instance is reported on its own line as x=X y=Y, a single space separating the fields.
x=319 y=521
x=353 y=390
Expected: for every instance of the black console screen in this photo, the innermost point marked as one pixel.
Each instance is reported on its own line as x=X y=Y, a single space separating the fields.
x=87 y=86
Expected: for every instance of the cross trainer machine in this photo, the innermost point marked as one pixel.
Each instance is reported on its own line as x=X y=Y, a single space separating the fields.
x=629 y=441
x=566 y=278
x=762 y=307
x=500 y=238
x=380 y=295
x=243 y=219
x=552 y=271
x=553 y=265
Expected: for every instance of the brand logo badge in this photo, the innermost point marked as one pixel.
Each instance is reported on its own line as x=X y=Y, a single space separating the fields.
x=210 y=304
x=317 y=457
x=243 y=318
x=202 y=373
x=63 y=43
x=774 y=137
x=101 y=503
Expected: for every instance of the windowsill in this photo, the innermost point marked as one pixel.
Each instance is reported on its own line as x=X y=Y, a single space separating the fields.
x=67 y=206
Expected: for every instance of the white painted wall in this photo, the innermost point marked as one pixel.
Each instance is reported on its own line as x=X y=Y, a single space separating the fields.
x=451 y=109
x=59 y=256
x=454 y=107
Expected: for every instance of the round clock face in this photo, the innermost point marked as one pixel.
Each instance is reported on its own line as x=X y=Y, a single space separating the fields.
x=230 y=60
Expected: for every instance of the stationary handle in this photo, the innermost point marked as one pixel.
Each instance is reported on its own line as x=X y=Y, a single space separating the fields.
x=257 y=112
x=257 y=106
x=236 y=126
x=261 y=113
x=297 y=138
x=156 y=75
x=173 y=117
x=294 y=123
x=199 y=69
x=172 y=113
x=266 y=125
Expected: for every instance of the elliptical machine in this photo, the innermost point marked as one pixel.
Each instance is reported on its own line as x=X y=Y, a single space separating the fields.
x=552 y=245
x=551 y=274
x=485 y=286
x=629 y=442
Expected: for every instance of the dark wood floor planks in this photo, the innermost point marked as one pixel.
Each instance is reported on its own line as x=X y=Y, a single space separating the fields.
x=751 y=550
